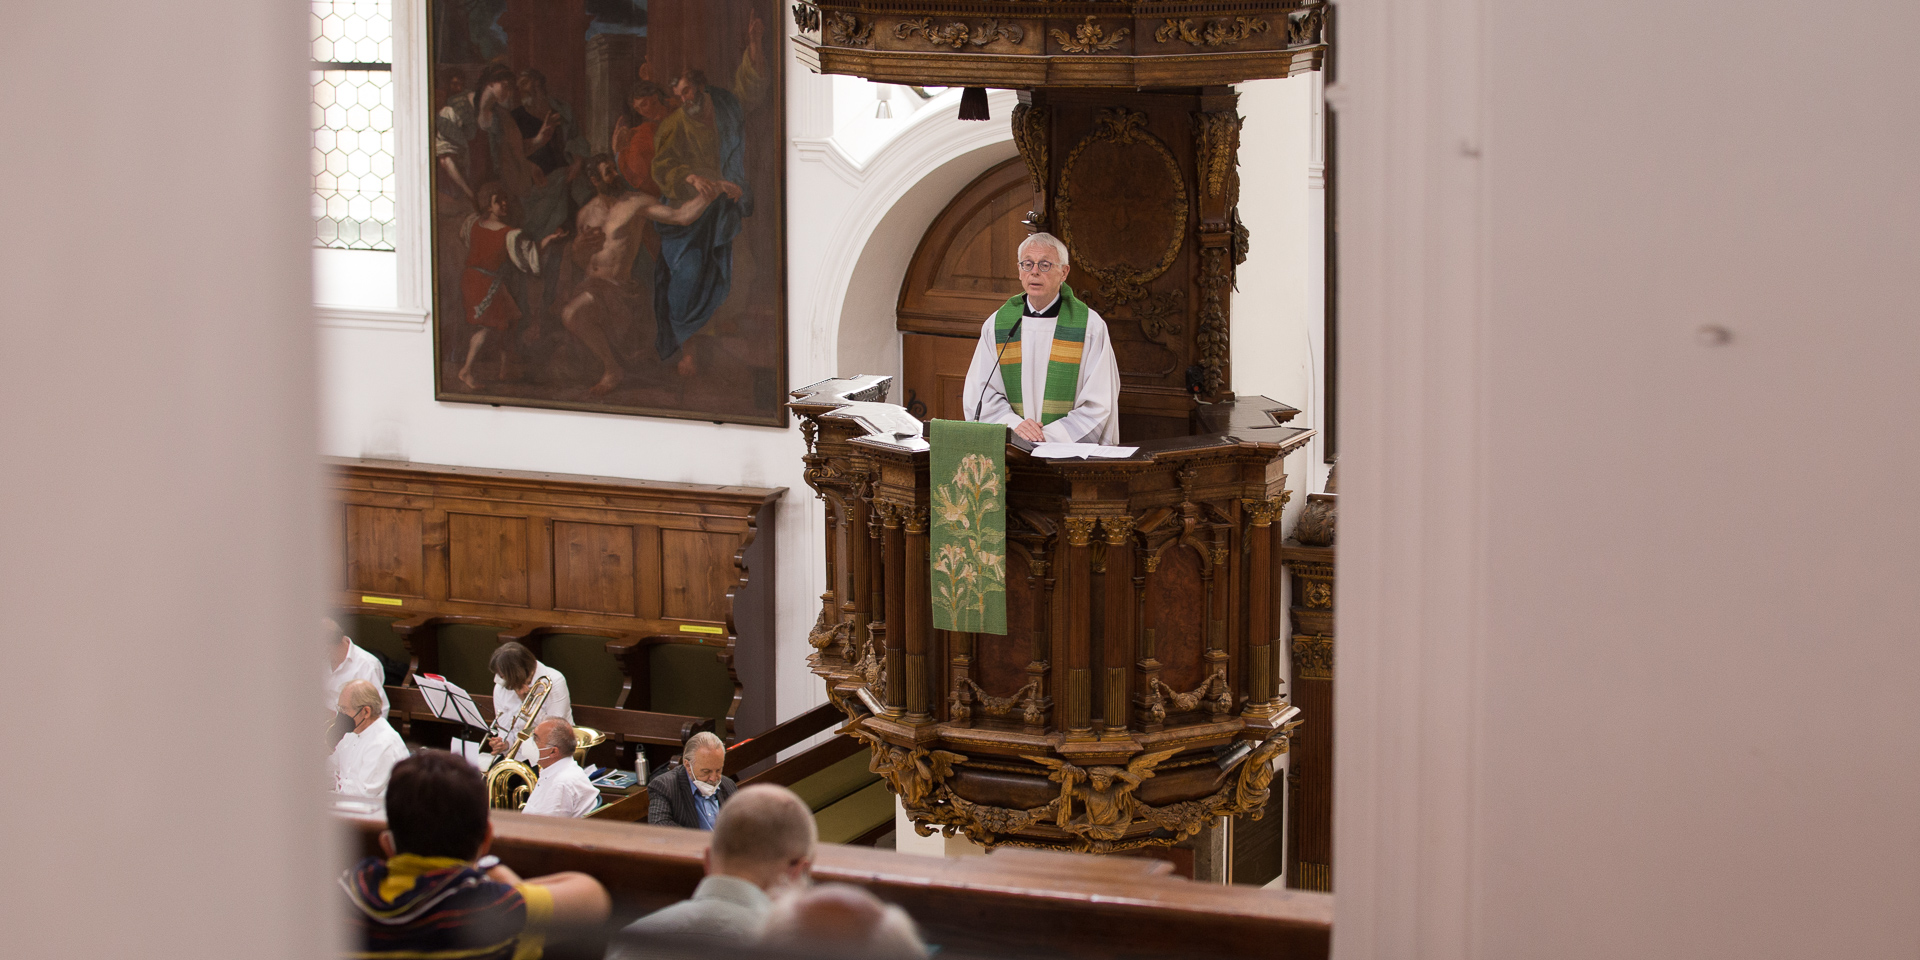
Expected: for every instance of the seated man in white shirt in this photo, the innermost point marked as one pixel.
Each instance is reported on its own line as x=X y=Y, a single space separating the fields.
x=349 y=662
x=1044 y=364
x=363 y=759
x=515 y=670
x=563 y=789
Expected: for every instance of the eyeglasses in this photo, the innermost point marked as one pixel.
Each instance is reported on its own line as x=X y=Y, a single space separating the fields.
x=1044 y=266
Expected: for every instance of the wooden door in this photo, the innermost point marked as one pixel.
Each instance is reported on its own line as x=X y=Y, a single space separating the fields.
x=962 y=272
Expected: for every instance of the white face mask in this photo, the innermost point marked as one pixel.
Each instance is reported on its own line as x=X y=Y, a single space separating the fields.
x=706 y=789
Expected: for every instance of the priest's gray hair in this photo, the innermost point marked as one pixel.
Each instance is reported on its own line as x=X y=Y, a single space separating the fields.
x=1059 y=249
x=703 y=741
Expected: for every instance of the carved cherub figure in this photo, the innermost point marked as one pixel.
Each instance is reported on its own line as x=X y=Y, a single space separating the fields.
x=1105 y=794
x=916 y=775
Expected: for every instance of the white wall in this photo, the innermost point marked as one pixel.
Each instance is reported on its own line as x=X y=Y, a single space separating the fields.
x=861 y=192
x=1628 y=649
x=159 y=566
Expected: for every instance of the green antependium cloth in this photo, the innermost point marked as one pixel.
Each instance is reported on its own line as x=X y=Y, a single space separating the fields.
x=968 y=468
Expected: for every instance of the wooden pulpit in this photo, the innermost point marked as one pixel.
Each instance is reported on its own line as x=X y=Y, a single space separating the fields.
x=1136 y=695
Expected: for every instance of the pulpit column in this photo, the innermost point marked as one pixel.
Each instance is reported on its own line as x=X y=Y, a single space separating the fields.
x=890 y=603
x=861 y=563
x=1118 y=638
x=1260 y=633
x=918 y=615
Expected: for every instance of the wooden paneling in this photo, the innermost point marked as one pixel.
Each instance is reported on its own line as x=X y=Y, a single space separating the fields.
x=934 y=374
x=385 y=550
x=686 y=592
x=633 y=556
x=1177 y=613
x=964 y=267
x=593 y=568
x=487 y=559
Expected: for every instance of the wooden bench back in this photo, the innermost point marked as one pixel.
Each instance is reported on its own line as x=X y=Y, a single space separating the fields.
x=1014 y=903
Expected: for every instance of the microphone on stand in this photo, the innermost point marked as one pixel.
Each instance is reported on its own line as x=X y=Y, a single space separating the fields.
x=1012 y=335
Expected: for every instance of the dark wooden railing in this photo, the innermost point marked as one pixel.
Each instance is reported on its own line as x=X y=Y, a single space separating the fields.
x=1012 y=904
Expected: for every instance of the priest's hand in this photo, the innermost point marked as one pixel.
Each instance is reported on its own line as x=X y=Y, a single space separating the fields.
x=1027 y=429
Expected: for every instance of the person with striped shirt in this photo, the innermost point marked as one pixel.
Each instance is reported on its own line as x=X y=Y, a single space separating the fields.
x=437 y=894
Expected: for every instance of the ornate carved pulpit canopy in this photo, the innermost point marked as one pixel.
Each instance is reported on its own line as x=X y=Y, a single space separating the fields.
x=1136 y=694
x=1022 y=44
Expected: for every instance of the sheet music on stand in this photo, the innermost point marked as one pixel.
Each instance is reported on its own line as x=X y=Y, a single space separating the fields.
x=449 y=702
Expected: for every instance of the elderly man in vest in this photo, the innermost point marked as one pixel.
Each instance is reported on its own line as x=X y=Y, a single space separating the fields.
x=691 y=794
x=1044 y=365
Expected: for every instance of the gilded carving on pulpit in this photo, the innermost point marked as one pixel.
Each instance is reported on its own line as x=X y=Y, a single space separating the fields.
x=608 y=207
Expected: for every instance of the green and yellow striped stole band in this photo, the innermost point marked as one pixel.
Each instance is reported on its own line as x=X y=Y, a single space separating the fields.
x=1063 y=362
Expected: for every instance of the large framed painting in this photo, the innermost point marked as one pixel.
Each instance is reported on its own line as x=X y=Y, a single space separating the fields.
x=609 y=206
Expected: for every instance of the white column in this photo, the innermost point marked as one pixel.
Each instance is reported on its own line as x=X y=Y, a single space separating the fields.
x=1628 y=452
x=160 y=571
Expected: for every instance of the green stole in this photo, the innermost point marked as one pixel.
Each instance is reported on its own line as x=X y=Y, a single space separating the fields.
x=1063 y=363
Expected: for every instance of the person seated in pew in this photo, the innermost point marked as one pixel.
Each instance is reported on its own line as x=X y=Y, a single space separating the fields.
x=563 y=789
x=363 y=759
x=762 y=848
x=692 y=793
x=1044 y=364
x=350 y=662
x=842 y=921
x=515 y=670
x=436 y=894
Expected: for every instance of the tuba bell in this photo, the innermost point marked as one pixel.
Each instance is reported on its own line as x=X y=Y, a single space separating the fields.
x=509 y=781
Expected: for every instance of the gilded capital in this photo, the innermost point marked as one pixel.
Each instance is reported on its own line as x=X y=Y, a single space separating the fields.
x=1080 y=530
x=916 y=519
x=1117 y=529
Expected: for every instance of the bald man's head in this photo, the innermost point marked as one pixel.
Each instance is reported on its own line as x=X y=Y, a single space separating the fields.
x=843 y=921
x=764 y=835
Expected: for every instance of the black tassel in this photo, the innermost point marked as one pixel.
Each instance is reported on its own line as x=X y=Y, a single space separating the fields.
x=973 y=104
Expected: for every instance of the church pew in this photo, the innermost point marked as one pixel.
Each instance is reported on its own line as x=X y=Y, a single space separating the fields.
x=1013 y=903
x=849 y=801
x=604 y=668
x=626 y=730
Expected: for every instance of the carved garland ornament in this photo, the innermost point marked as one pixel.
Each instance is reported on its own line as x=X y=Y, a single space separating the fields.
x=806 y=17
x=1030 y=135
x=1216 y=275
x=1218 y=146
x=1312 y=657
x=957 y=35
x=1304 y=28
x=1122 y=283
x=1096 y=804
x=1217 y=33
x=1089 y=38
x=846 y=30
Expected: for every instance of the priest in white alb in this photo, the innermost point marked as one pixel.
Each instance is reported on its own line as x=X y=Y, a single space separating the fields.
x=1044 y=365
x=563 y=789
x=363 y=760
